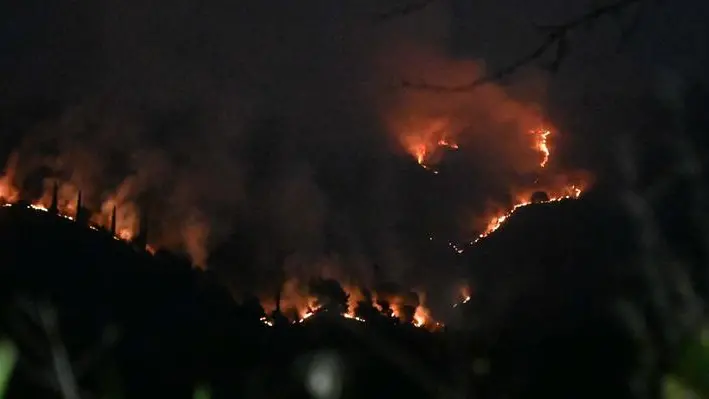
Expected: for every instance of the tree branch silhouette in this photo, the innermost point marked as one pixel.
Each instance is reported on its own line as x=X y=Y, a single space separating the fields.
x=556 y=37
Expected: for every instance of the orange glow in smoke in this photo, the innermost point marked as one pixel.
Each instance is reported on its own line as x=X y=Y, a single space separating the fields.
x=555 y=192
x=446 y=143
x=125 y=234
x=67 y=195
x=426 y=141
x=419 y=152
x=465 y=296
x=8 y=193
x=296 y=299
x=423 y=141
x=540 y=144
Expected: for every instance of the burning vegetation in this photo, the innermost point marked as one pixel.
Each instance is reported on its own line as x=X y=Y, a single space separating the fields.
x=506 y=143
x=75 y=211
x=297 y=301
x=558 y=188
x=294 y=303
x=428 y=141
x=298 y=216
x=546 y=188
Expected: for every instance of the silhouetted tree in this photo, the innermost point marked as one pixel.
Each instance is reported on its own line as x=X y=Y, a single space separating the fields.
x=406 y=313
x=385 y=307
x=365 y=308
x=252 y=307
x=385 y=292
x=330 y=295
x=539 y=196
x=408 y=309
x=279 y=319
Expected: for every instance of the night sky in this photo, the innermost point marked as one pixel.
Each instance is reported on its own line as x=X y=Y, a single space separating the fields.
x=273 y=119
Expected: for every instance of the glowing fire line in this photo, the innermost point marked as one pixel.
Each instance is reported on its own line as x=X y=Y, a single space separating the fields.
x=419 y=320
x=423 y=151
x=119 y=236
x=497 y=222
x=421 y=317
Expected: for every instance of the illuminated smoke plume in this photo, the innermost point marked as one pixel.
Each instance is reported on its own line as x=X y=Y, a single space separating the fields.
x=8 y=191
x=487 y=119
x=165 y=133
x=101 y=152
x=494 y=139
x=127 y=212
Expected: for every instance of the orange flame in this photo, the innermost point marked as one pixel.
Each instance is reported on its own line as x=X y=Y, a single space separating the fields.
x=422 y=315
x=422 y=144
x=295 y=299
x=465 y=296
x=558 y=192
x=67 y=195
x=496 y=221
x=541 y=145
x=127 y=214
x=445 y=143
x=420 y=152
x=423 y=141
x=8 y=193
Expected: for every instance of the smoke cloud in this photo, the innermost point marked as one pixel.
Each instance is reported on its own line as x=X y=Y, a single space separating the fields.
x=276 y=142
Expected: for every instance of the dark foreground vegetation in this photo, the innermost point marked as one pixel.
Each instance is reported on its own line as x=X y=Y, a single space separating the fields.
x=148 y=326
x=559 y=296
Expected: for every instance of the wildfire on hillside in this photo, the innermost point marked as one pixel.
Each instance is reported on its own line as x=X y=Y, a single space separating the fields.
x=557 y=188
x=425 y=142
x=499 y=218
x=299 y=306
x=63 y=199
x=66 y=197
x=120 y=216
x=120 y=235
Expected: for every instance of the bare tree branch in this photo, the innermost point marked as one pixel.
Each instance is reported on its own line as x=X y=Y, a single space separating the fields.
x=556 y=37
